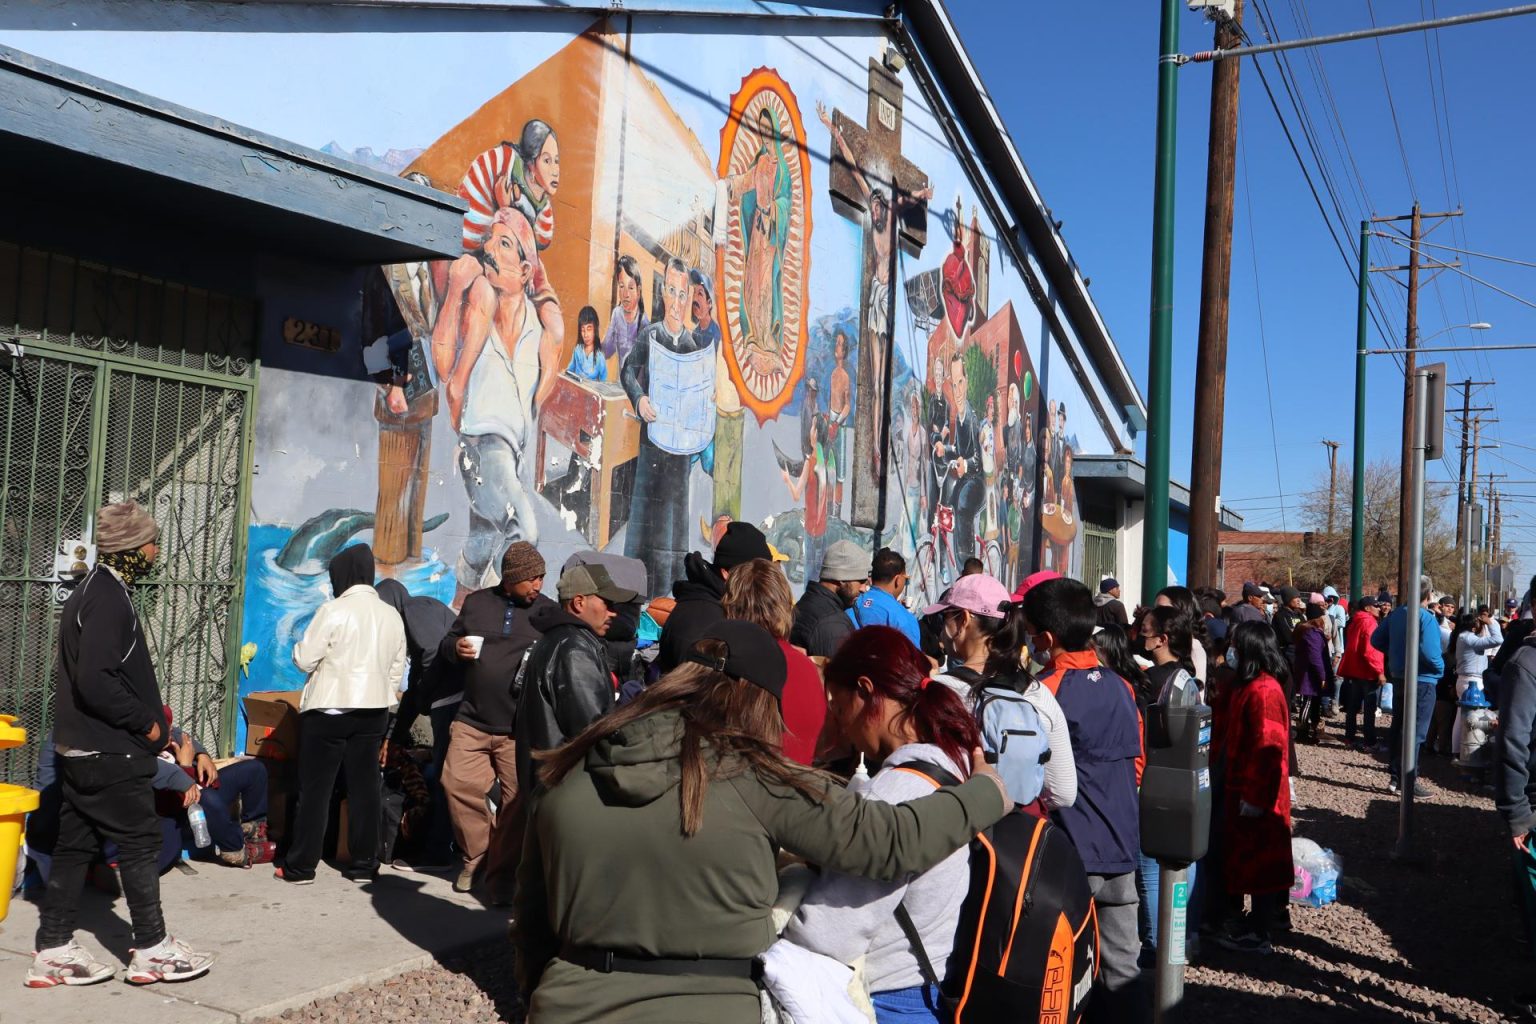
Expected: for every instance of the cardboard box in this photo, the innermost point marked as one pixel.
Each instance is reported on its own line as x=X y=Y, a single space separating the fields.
x=272 y=724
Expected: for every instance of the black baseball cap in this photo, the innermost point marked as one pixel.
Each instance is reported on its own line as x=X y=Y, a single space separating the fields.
x=741 y=543
x=751 y=655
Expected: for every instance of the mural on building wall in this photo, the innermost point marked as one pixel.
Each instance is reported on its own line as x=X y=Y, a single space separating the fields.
x=646 y=337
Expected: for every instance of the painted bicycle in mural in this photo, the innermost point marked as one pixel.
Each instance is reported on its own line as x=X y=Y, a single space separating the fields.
x=939 y=564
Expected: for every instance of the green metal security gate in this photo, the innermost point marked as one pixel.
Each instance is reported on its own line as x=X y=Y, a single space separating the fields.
x=115 y=386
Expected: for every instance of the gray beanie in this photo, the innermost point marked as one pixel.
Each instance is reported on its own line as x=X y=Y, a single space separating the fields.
x=845 y=562
x=124 y=527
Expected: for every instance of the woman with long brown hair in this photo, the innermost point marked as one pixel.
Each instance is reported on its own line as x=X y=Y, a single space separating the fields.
x=648 y=874
x=757 y=592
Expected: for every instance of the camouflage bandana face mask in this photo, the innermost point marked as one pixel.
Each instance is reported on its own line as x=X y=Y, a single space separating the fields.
x=132 y=566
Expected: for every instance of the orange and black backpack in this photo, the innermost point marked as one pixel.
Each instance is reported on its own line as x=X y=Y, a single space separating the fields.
x=1027 y=945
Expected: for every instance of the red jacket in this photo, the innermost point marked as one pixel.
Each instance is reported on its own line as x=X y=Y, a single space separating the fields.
x=1360 y=659
x=1256 y=734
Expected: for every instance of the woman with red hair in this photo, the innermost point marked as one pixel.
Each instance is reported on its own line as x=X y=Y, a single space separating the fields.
x=885 y=704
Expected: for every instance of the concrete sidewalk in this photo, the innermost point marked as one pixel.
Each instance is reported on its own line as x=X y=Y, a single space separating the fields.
x=279 y=946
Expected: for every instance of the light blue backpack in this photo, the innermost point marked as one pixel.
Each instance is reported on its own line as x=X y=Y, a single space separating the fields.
x=1015 y=741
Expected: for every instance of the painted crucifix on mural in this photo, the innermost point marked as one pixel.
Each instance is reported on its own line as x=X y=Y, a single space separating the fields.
x=874 y=185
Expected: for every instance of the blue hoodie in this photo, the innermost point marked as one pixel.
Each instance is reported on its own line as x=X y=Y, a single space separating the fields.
x=1392 y=634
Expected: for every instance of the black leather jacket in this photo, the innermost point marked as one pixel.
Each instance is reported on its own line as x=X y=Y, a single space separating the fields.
x=565 y=686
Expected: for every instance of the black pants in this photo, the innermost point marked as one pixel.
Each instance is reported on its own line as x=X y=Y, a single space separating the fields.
x=105 y=798
x=328 y=743
x=1359 y=696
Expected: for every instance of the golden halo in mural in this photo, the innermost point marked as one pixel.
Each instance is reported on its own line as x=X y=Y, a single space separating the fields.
x=763 y=230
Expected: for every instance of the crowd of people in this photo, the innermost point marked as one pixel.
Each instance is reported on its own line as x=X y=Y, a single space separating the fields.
x=634 y=775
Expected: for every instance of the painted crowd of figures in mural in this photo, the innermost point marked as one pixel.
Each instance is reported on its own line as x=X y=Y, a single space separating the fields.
x=629 y=353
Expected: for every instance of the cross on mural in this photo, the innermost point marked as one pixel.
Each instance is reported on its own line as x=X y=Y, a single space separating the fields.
x=875 y=186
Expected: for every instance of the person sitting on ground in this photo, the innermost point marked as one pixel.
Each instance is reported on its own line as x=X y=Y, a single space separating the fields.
x=1104 y=823
x=1111 y=610
x=883 y=703
x=186 y=772
x=821 y=624
x=648 y=876
x=985 y=636
x=354 y=653
x=757 y=592
x=881 y=605
x=1256 y=808
x=698 y=595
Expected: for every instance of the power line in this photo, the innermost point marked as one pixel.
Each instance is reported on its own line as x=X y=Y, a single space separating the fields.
x=1258 y=299
x=1456 y=249
x=1397 y=128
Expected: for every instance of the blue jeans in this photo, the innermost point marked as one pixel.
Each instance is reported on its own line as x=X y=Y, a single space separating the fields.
x=902 y=1005
x=1424 y=710
x=245 y=781
x=1149 y=874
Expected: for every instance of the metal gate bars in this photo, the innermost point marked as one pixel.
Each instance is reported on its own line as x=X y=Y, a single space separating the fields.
x=115 y=386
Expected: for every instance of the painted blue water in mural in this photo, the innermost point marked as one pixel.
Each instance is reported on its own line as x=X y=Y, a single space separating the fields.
x=279 y=604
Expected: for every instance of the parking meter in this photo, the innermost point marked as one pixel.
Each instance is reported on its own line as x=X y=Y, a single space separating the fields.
x=1176 y=784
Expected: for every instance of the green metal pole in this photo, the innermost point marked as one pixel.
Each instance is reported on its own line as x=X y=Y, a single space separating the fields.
x=1357 y=502
x=1154 y=551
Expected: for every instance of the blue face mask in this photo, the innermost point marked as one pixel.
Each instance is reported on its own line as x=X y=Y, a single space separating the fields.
x=1232 y=658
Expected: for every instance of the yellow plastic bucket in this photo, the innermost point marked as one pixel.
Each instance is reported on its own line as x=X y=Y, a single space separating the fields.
x=16 y=802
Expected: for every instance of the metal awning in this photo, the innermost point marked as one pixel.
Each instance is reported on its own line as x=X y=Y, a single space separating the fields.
x=119 y=160
x=1127 y=478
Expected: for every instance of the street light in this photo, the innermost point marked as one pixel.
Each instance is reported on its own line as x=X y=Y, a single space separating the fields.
x=1481 y=325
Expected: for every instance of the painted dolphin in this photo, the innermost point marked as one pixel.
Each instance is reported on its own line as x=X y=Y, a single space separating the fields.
x=310 y=550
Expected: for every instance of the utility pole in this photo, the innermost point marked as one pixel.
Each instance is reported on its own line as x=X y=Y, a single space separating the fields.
x=1408 y=585
x=1461 y=476
x=1469 y=496
x=1215 y=292
x=1333 y=479
x=1154 y=549
x=1357 y=489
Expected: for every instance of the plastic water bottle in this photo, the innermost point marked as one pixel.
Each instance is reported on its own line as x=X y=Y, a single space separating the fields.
x=860 y=782
x=199 y=822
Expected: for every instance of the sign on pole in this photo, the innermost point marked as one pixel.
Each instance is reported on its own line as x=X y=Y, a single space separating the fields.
x=1434 y=423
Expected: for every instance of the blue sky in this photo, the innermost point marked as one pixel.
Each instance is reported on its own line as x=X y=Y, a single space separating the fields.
x=1078 y=95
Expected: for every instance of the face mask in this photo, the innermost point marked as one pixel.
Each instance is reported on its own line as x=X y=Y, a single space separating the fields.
x=1232 y=658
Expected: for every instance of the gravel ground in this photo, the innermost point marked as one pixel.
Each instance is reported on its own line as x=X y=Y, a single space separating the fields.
x=1433 y=938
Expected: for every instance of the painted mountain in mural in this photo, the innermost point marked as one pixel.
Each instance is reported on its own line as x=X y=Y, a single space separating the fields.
x=392 y=162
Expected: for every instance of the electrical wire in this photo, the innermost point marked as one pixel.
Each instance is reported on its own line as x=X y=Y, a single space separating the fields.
x=1258 y=299
x=1458 y=250
x=1386 y=83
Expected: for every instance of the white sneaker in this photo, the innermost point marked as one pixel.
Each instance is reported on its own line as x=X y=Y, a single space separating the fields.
x=172 y=960
x=67 y=965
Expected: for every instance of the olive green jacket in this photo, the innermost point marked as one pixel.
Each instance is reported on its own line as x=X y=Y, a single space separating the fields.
x=606 y=866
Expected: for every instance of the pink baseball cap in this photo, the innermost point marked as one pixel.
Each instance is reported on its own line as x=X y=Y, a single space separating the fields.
x=1034 y=579
x=978 y=594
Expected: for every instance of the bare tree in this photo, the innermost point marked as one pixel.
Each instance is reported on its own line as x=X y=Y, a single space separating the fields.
x=1323 y=558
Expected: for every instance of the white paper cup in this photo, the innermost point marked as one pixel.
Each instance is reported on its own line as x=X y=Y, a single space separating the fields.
x=477 y=642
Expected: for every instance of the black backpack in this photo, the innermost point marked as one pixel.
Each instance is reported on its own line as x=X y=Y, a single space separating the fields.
x=1027 y=945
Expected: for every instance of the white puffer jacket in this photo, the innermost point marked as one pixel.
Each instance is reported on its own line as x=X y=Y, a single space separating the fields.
x=354 y=652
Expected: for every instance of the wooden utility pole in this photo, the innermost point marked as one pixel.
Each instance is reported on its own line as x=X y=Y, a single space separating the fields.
x=1215 y=291
x=1461 y=476
x=1333 y=479
x=1408 y=589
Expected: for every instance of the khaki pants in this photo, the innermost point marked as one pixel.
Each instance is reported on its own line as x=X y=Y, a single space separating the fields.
x=476 y=760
